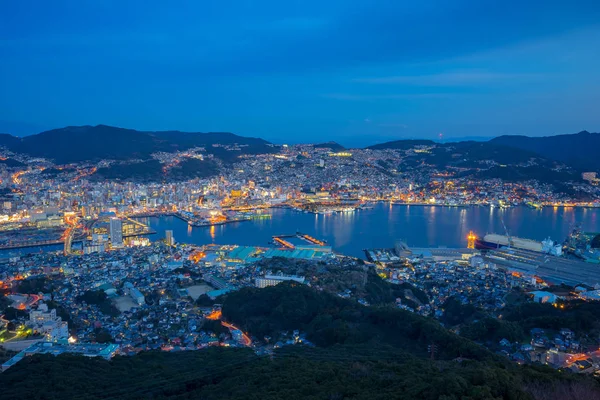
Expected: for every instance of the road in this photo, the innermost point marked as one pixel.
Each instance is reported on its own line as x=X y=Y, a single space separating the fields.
x=67 y=237
x=245 y=338
x=215 y=315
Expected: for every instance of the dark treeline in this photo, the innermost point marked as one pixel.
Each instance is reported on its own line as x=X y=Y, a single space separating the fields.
x=328 y=320
x=361 y=353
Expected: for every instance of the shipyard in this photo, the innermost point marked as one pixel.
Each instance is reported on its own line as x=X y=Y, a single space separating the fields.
x=544 y=260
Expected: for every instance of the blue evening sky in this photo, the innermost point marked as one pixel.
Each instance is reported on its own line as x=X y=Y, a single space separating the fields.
x=357 y=72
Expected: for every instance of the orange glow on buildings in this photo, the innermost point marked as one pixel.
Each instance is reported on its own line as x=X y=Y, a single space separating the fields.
x=197 y=256
x=215 y=315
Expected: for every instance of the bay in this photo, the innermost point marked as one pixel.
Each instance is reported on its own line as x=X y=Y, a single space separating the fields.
x=384 y=224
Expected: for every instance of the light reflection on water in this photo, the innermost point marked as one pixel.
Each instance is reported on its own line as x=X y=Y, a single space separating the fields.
x=382 y=226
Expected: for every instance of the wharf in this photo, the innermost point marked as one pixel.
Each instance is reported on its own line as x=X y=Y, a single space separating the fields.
x=145 y=233
x=198 y=224
x=403 y=252
x=425 y=204
x=547 y=267
x=443 y=253
x=25 y=245
x=205 y=224
x=311 y=241
x=191 y=221
x=153 y=214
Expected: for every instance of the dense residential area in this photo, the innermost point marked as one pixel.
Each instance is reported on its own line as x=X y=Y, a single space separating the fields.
x=84 y=271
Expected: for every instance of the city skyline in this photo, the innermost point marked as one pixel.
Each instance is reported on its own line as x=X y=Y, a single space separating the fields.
x=347 y=199
x=356 y=73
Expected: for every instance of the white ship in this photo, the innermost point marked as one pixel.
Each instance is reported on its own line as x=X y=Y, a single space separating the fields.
x=494 y=241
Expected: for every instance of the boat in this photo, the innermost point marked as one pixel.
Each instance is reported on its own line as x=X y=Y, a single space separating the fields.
x=494 y=241
x=482 y=244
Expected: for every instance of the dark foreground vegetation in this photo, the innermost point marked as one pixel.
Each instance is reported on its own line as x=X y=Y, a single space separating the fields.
x=360 y=353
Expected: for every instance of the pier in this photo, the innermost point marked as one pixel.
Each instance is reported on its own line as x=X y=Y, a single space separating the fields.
x=547 y=267
x=195 y=222
x=311 y=241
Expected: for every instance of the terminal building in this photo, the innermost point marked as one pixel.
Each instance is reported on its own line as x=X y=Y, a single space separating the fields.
x=272 y=280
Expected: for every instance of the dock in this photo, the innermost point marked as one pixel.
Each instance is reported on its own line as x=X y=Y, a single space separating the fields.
x=284 y=240
x=550 y=268
x=403 y=252
x=191 y=221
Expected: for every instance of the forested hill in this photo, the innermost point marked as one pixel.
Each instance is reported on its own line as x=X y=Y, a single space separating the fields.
x=88 y=143
x=403 y=144
x=361 y=353
x=329 y=320
x=333 y=146
x=579 y=150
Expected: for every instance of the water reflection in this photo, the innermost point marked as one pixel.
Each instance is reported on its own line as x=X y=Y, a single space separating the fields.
x=462 y=228
x=343 y=227
x=384 y=224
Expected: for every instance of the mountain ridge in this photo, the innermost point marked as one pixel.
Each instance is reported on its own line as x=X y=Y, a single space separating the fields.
x=89 y=143
x=402 y=144
x=577 y=149
x=332 y=145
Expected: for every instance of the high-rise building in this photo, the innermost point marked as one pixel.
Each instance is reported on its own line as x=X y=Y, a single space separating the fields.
x=116 y=233
x=169 y=237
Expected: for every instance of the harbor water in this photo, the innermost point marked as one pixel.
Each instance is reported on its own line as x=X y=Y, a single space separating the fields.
x=381 y=226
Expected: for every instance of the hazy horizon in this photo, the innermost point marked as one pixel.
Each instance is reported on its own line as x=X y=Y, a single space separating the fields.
x=354 y=141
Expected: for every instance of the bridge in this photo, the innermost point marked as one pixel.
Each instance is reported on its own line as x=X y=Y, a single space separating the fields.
x=67 y=236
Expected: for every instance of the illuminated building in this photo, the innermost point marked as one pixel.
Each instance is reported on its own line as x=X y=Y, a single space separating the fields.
x=169 y=237
x=116 y=233
x=272 y=280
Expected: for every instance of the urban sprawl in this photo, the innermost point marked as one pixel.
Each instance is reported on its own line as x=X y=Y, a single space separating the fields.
x=110 y=290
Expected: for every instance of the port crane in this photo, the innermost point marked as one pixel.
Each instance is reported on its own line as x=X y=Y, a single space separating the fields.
x=507 y=234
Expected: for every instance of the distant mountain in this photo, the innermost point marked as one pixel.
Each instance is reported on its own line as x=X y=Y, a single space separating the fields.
x=489 y=160
x=472 y=154
x=8 y=141
x=401 y=144
x=87 y=143
x=334 y=146
x=467 y=139
x=579 y=150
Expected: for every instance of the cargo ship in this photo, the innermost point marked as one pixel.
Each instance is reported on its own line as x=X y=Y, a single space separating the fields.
x=493 y=241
